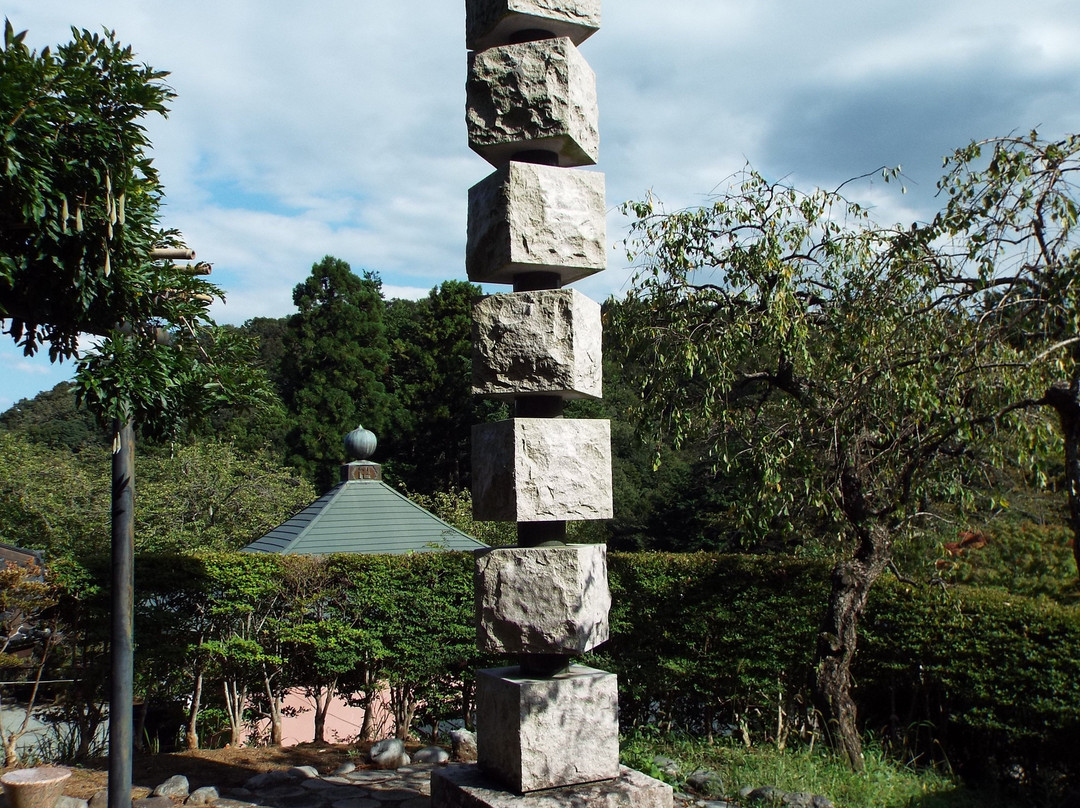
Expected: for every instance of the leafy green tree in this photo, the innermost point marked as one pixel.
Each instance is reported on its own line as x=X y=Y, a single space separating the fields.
x=832 y=368
x=1012 y=247
x=78 y=196
x=51 y=499
x=336 y=358
x=428 y=447
x=53 y=417
x=202 y=496
x=209 y=496
x=28 y=622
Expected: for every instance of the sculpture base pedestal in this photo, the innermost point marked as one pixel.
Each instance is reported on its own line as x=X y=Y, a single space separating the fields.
x=465 y=786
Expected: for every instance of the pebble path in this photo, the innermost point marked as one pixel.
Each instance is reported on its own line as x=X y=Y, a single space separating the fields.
x=407 y=787
x=304 y=787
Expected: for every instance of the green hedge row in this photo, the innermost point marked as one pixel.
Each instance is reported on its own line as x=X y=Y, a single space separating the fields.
x=702 y=642
x=722 y=643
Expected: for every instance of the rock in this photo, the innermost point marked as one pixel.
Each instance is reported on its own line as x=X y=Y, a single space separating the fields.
x=70 y=802
x=158 y=801
x=704 y=781
x=389 y=754
x=766 y=794
x=522 y=726
x=431 y=754
x=552 y=81
x=303 y=772
x=487 y=22
x=175 y=786
x=530 y=218
x=463 y=745
x=666 y=766
x=572 y=456
x=203 y=796
x=275 y=777
x=100 y=799
x=542 y=600
x=345 y=768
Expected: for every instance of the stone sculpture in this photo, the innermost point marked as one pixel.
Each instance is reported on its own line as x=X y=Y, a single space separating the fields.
x=547 y=729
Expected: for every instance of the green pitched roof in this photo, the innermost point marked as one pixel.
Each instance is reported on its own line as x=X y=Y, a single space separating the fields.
x=363 y=516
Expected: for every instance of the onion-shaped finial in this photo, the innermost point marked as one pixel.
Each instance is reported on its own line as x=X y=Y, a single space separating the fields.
x=360 y=443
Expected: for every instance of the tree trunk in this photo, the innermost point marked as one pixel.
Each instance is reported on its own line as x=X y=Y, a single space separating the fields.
x=323 y=696
x=273 y=701
x=11 y=757
x=851 y=582
x=1065 y=400
x=367 y=728
x=191 y=735
x=235 y=697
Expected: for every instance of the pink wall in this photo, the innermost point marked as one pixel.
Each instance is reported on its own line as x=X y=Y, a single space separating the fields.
x=342 y=721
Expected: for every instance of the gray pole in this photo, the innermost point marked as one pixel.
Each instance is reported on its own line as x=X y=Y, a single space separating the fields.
x=123 y=607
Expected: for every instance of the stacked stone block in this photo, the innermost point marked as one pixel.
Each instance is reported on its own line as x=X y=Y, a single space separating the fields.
x=547 y=729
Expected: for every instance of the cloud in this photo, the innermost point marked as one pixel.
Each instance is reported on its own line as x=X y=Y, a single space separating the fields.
x=338 y=128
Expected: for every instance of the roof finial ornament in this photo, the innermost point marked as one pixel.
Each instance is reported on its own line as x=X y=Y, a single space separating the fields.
x=360 y=443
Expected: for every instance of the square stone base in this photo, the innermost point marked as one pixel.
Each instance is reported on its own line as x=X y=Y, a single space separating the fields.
x=465 y=786
x=537 y=733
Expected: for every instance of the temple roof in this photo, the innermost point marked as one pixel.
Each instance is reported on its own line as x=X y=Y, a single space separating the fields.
x=363 y=516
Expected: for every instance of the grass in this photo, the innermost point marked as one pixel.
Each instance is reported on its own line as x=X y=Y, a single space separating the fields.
x=884 y=783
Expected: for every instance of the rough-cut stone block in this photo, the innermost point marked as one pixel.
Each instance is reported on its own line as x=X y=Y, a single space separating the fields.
x=533 y=218
x=542 y=470
x=542 y=600
x=534 y=733
x=466 y=786
x=532 y=96
x=494 y=22
x=546 y=342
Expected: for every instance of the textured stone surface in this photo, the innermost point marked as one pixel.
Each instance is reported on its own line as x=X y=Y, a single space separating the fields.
x=536 y=95
x=542 y=600
x=537 y=342
x=465 y=786
x=463 y=745
x=493 y=22
x=535 y=733
x=175 y=786
x=533 y=218
x=541 y=470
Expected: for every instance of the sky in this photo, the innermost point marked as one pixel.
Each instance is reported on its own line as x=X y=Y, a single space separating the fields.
x=336 y=127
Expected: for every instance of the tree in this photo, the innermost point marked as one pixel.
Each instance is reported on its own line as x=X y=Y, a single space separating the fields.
x=431 y=347
x=831 y=366
x=80 y=203
x=54 y=418
x=1012 y=247
x=28 y=633
x=209 y=496
x=336 y=357
x=78 y=195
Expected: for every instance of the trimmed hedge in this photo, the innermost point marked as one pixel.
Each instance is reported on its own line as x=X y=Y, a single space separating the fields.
x=702 y=642
x=708 y=642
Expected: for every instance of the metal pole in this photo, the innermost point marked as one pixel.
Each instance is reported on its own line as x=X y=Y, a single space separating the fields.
x=123 y=607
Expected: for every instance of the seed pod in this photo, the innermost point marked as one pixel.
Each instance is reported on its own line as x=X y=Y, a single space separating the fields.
x=120 y=213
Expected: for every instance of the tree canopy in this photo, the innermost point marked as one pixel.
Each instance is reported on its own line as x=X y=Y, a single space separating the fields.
x=839 y=375
x=336 y=356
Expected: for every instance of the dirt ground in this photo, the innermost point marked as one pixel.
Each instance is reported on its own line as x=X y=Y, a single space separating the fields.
x=223 y=768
